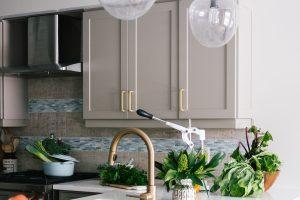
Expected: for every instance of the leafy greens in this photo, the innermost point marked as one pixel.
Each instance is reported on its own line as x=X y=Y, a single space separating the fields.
x=238 y=179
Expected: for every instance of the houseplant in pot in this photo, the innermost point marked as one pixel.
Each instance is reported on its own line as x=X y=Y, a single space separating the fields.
x=183 y=170
x=54 y=153
x=260 y=168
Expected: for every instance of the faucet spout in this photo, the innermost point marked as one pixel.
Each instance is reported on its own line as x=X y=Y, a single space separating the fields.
x=150 y=194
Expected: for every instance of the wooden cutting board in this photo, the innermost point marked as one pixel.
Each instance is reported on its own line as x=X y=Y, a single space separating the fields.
x=126 y=187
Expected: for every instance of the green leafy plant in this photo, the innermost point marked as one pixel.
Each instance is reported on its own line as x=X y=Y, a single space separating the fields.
x=122 y=175
x=257 y=154
x=43 y=149
x=239 y=179
x=183 y=165
x=56 y=146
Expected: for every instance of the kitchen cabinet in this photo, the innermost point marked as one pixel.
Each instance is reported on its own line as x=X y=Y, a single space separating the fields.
x=104 y=66
x=206 y=78
x=211 y=79
x=130 y=64
x=4 y=195
x=153 y=63
x=159 y=66
x=13 y=97
x=68 y=195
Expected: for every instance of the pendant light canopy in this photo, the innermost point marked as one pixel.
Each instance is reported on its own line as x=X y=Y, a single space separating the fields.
x=213 y=22
x=127 y=9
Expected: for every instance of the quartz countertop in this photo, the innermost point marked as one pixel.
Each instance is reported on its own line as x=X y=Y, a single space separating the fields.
x=109 y=193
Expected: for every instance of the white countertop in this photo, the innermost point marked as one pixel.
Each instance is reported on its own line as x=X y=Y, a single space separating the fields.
x=109 y=193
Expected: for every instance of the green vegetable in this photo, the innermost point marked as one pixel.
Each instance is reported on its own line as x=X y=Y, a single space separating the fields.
x=38 y=153
x=256 y=153
x=238 y=179
x=44 y=149
x=55 y=146
x=122 y=175
x=183 y=165
x=265 y=161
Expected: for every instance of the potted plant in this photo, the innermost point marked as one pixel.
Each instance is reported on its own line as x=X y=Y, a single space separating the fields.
x=259 y=167
x=183 y=171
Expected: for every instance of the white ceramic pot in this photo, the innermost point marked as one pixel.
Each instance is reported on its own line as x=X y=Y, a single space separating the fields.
x=61 y=169
x=186 y=193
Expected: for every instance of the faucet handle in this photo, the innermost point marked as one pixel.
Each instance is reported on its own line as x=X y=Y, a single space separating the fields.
x=143 y=113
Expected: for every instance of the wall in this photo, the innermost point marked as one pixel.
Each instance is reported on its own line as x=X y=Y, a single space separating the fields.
x=276 y=53
x=55 y=105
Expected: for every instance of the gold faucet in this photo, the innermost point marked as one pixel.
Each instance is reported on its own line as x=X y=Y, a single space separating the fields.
x=150 y=194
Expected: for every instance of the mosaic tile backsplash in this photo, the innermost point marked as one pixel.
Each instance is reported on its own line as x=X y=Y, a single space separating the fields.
x=162 y=145
x=56 y=105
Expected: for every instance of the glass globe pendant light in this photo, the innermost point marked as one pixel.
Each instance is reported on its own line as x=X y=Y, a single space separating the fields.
x=213 y=22
x=127 y=9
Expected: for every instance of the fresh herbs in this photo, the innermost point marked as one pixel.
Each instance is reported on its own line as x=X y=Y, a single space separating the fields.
x=256 y=154
x=44 y=149
x=239 y=179
x=122 y=175
x=183 y=165
x=56 y=146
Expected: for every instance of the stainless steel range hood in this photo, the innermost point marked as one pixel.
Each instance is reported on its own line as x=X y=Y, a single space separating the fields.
x=50 y=45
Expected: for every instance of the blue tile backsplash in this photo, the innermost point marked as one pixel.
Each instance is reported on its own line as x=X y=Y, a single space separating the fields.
x=163 y=145
x=55 y=105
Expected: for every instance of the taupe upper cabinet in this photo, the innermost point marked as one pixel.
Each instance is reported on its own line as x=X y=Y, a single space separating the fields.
x=206 y=75
x=153 y=62
x=105 y=66
x=13 y=91
x=215 y=83
x=131 y=65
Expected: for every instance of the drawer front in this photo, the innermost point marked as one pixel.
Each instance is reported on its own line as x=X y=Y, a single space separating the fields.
x=66 y=195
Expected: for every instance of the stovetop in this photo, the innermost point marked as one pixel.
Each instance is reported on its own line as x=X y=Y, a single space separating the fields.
x=38 y=177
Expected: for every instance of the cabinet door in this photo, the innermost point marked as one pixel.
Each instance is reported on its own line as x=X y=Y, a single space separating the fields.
x=104 y=66
x=153 y=63
x=4 y=195
x=66 y=195
x=206 y=75
x=14 y=99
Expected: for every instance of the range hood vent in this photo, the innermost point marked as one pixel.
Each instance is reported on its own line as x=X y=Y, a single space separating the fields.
x=43 y=45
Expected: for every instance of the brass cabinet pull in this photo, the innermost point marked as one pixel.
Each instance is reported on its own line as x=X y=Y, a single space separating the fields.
x=122 y=101
x=181 y=92
x=130 y=101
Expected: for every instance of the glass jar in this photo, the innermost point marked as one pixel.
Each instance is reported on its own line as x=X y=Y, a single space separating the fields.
x=10 y=163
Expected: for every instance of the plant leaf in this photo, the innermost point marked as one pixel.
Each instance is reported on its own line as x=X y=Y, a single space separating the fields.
x=159 y=166
x=216 y=160
x=171 y=174
x=236 y=154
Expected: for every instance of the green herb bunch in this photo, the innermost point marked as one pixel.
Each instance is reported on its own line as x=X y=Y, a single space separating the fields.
x=183 y=165
x=122 y=175
x=256 y=154
x=56 y=146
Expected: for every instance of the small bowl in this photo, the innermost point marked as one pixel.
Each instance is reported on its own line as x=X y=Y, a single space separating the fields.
x=269 y=179
x=60 y=169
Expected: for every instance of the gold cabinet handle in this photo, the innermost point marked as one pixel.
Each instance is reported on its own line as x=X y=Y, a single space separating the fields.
x=181 y=92
x=122 y=101
x=130 y=101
